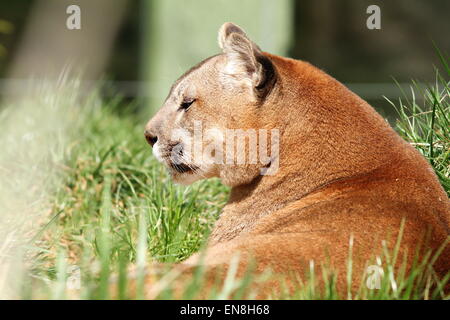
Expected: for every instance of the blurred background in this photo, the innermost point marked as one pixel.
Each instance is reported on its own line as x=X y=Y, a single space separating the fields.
x=137 y=48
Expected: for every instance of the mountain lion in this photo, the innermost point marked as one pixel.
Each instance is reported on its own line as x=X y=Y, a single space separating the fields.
x=344 y=179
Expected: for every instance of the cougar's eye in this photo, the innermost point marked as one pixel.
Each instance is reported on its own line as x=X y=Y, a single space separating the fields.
x=186 y=104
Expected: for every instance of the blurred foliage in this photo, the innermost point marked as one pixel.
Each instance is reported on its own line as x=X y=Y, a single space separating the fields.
x=15 y=14
x=329 y=34
x=5 y=28
x=333 y=35
x=160 y=39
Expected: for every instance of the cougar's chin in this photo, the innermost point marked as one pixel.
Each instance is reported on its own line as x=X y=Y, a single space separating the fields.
x=181 y=168
x=183 y=173
x=188 y=173
x=184 y=178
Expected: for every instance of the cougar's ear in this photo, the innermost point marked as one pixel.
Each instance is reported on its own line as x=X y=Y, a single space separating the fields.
x=244 y=60
x=227 y=29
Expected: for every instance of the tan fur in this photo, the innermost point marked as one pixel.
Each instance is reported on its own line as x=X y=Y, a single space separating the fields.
x=342 y=172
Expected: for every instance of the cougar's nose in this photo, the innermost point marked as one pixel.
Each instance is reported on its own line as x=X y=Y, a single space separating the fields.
x=152 y=130
x=150 y=137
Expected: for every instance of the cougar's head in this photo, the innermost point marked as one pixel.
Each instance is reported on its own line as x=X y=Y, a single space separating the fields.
x=222 y=93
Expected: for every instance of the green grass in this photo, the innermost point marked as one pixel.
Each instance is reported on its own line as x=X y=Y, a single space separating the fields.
x=426 y=125
x=116 y=193
x=115 y=206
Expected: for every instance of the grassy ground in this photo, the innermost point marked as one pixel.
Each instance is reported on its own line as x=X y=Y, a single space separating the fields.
x=426 y=125
x=117 y=204
x=114 y=206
